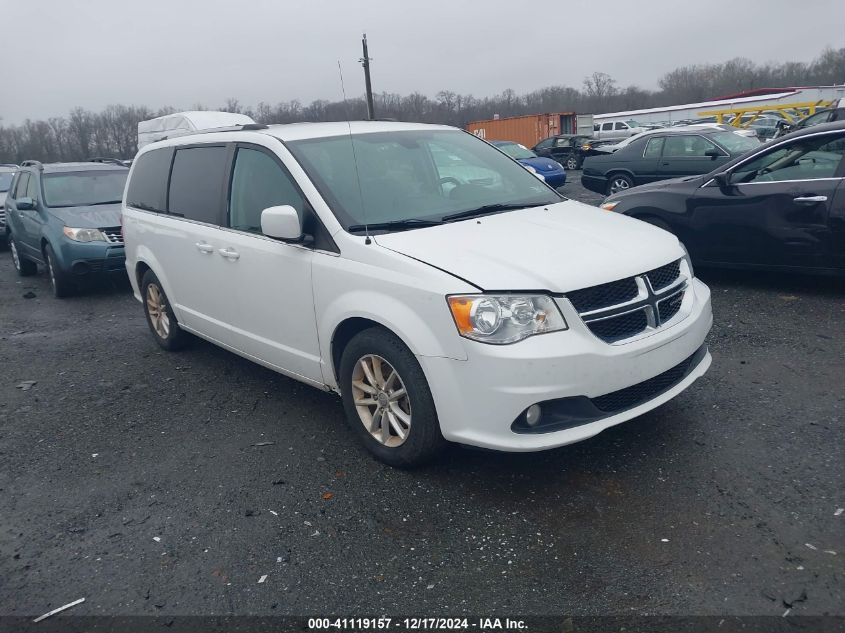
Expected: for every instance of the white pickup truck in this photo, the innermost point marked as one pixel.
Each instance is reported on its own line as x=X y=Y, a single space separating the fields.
x=616 y=129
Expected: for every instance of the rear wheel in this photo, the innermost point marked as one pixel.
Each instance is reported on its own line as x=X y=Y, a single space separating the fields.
x=25 y=267
x=387 y=400
x=58 y=282
x=619 y=182
x=160 y=316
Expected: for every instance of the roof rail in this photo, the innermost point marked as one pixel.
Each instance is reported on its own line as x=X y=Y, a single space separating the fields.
x=212 y=130
x=112 y=161
x=32 y=163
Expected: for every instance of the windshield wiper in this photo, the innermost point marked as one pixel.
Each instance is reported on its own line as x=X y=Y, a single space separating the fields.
x=397 y=225
x=484 y=210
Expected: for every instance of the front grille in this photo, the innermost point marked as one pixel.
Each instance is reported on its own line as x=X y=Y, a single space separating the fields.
x=632 y=396
x=113 y=235
x=622 y=309
x=669 y=307
x=2 y=216
x=664 y=276
x=603 y=296
x=621 y=327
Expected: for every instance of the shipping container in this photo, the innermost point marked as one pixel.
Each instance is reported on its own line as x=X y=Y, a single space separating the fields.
x=532 y=128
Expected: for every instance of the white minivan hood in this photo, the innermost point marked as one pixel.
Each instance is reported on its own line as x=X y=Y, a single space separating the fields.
x=559 y=247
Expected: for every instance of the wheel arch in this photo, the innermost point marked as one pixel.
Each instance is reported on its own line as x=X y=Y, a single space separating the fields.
x=146 y=260
x=419 y=335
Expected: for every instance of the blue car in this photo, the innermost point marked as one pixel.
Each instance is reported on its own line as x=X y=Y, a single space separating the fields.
x=551 y=170
x=66 y=217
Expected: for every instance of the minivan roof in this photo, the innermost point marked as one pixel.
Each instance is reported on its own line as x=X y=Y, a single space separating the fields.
x=299 y=131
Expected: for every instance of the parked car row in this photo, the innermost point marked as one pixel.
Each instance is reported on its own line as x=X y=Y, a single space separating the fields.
x=779 y=206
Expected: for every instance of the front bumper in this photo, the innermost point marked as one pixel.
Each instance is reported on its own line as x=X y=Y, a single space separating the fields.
x=89 y=260
x=479 y=399
x=555 y=179
x=597 y=184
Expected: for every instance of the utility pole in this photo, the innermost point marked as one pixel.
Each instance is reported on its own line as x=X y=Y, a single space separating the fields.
x=365 y=61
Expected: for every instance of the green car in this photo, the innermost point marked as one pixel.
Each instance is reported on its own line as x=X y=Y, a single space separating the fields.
x=66 y=217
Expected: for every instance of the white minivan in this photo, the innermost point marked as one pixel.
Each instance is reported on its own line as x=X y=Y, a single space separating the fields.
x=443 y=291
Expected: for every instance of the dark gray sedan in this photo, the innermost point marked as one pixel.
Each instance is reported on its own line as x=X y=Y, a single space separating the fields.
x=670 y=154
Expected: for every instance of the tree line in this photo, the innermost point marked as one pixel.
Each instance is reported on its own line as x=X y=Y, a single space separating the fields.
x=113 y=132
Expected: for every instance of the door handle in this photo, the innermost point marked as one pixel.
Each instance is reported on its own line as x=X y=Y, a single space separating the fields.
x=809 y=199
x=229 y=253
x=202 y=247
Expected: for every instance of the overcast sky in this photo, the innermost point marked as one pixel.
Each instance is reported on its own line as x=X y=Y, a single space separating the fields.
x=59 y=54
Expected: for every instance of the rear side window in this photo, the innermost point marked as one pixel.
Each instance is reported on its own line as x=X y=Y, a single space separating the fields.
x=148 y=185
x=258 y=183
x=606 y=127
x=196 y=183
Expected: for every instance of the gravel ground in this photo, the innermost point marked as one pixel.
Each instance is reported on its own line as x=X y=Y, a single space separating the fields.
x=156 y=483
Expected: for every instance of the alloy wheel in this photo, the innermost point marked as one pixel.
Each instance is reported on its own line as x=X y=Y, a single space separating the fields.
x=16 y=260
x=571 y=163
x=157 y=311
x=381 y=400
x=619 y=184
x=51 y=272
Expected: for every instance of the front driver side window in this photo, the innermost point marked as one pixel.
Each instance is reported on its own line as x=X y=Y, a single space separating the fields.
x=258 y=183
x=546 y=143
x=803 y=159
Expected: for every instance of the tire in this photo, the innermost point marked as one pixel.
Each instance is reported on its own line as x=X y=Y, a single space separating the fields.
x=572 y=163
x=160 y=318
x=59 y=283
x=25 y=267
x=363 y=397
x=618 y=182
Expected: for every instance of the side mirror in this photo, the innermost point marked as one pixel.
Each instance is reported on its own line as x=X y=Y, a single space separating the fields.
x=713 y=153
x=281 y=222
x=25 y=204
x=723 y=179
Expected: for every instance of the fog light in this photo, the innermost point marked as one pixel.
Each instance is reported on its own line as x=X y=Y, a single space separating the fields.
x=533 y=415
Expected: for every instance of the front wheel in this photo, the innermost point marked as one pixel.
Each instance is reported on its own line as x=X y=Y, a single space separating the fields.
x=160 y=316
x=58 y=282
x=572 y=162
x=387 y=400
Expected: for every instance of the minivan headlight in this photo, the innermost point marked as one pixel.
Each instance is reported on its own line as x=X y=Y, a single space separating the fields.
x=502 y=319
x=687 y=259
x=84 y=235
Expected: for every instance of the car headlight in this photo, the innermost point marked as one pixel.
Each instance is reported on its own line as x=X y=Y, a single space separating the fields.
x=84 y=235
x=687 y=259
x=503 y=319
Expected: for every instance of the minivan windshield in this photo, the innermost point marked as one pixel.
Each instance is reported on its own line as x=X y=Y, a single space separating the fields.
x=84 y=188
x=414 y=178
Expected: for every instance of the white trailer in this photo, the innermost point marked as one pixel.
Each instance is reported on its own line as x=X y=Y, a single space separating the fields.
x=180 y=123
